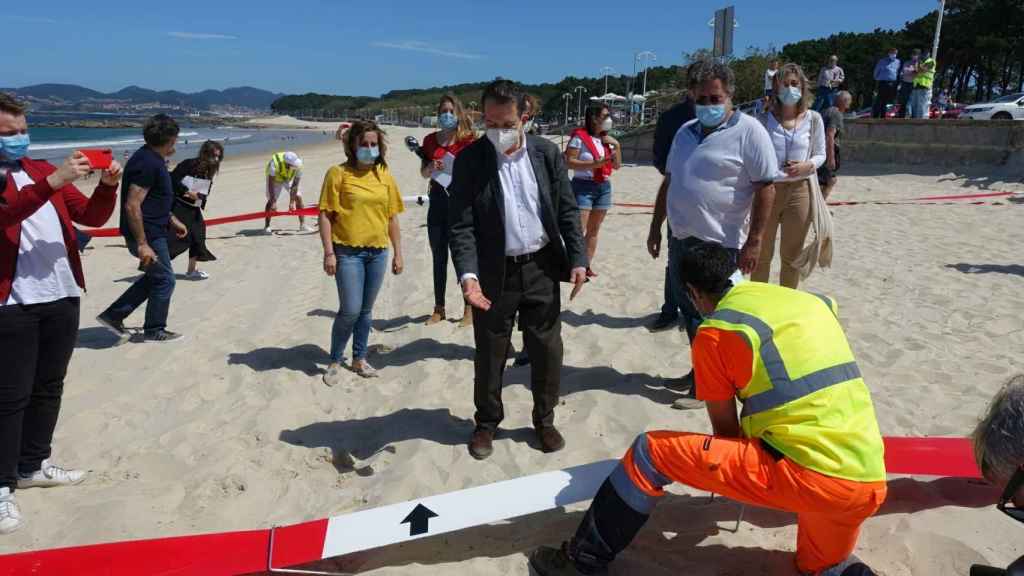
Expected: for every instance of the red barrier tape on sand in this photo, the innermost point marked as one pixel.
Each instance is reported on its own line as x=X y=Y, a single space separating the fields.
x=231 y=553
x=114 y=232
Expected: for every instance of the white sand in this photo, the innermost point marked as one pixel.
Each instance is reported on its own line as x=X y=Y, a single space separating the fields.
x=233 y=429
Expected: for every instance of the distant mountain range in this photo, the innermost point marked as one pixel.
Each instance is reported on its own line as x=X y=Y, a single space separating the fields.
x=72 y=97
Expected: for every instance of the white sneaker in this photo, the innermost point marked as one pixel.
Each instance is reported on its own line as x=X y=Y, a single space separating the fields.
x=307 y=228
x=49 y=476
x=197 y=275
x=267 y=231
x=10 y=516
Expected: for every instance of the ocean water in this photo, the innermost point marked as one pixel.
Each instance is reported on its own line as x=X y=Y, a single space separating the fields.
x=55 y=144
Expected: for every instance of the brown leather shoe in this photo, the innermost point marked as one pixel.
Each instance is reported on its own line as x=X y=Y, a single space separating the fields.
x=550 y=439
x=481 y=444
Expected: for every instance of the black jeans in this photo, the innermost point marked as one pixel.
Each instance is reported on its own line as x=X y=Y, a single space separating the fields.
x=531 y=289
x=36 y=342
x=437 y=232
x=886 y=94
x=903 y=98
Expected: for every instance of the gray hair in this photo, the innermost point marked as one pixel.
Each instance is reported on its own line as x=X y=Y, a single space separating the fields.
x=844 y=95
x=707 y=70
x=999 y=437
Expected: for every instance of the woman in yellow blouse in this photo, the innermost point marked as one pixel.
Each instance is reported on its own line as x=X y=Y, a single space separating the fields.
x=359 y=207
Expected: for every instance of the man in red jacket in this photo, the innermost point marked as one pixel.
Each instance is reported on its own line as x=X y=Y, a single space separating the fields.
x=41 y=282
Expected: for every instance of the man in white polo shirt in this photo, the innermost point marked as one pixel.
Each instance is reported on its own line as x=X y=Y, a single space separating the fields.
x=717 y=188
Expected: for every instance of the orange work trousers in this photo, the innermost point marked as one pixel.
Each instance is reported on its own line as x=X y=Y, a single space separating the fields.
x=829 y=510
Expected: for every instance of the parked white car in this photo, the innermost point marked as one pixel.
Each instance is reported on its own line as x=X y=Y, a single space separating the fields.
x=1009 y=107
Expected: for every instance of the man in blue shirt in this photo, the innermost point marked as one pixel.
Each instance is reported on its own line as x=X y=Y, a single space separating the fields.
x=887 y=75
x=146 y=219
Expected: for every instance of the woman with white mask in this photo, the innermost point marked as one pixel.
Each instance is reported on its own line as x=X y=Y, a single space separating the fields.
x=798 y=135
x=593 y=154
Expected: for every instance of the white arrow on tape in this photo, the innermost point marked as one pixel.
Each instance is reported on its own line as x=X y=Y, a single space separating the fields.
x=463 y=509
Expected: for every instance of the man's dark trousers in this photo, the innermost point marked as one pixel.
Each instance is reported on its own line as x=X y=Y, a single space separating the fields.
x=531 y=288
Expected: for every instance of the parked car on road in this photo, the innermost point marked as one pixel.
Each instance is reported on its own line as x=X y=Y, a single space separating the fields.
x=1009 y=107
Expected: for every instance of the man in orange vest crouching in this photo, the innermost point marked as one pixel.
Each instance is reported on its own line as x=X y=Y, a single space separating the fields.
x=806 y=440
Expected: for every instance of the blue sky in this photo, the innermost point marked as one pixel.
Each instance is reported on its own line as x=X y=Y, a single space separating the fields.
x=369 y=47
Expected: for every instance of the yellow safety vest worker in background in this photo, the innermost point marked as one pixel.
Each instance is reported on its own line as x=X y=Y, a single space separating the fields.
x=806 y=397
x=283 y=172
x=926 y=76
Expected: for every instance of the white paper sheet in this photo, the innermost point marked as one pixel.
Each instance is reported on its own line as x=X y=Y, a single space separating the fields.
x=444 y=176
x=198 y=185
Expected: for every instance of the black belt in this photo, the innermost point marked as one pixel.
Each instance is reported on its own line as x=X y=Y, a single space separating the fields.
x=523 y=258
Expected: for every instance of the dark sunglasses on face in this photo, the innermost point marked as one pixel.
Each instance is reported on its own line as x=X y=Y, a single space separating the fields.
x=1015 y=483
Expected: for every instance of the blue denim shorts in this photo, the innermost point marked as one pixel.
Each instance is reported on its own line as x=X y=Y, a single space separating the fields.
x=592 y=195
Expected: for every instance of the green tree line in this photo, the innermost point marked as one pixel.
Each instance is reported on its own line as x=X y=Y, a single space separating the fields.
x=981 y=55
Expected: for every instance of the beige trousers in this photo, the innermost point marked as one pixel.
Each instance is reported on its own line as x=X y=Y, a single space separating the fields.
x=792 y=212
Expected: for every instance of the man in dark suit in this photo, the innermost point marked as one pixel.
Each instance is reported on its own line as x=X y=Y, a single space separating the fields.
x=515 y=234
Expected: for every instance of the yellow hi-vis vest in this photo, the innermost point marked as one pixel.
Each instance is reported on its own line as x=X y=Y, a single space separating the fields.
x=282 y=171
x=926 y=76
x=805 y=397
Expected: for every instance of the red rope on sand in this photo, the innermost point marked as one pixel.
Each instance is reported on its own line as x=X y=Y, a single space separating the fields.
x=114 y=232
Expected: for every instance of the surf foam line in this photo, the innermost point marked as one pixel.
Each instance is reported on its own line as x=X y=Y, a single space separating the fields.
x=229 y=553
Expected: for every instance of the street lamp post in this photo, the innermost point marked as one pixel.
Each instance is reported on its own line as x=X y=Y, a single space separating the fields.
x=606 y=70
x=938 y=30
x=647 y=56
x=579 y=101
x=567 y=97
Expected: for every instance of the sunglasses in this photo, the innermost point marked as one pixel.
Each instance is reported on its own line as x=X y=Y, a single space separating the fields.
x=1016 y=481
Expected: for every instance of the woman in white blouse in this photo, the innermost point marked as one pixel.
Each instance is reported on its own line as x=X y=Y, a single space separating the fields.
x=798 y=135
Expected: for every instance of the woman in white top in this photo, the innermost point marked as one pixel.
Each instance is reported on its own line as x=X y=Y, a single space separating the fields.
x=798 y=135
x=593 y=154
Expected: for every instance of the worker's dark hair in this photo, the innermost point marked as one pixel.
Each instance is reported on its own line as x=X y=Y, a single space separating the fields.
x=503 y=91
x=11 y=105
x=707 y=267
x=593 y=111
x=159 y=130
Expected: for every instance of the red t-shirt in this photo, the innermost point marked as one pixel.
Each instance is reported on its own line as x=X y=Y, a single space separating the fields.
x=436 y=151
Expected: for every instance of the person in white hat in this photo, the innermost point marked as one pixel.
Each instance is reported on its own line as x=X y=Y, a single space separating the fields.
x=284 y=171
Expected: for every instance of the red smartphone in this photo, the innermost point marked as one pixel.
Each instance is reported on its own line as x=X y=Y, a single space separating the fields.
x=99 y=159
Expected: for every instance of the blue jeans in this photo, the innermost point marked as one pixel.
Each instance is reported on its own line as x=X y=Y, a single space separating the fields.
x=824 y=99
x=155 y=288
x=359 y=276
x=592 y=195
x=920 y=102
x=671 y=308
x=677 y=248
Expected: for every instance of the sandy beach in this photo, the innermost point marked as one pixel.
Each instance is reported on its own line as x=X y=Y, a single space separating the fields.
x=233 y=428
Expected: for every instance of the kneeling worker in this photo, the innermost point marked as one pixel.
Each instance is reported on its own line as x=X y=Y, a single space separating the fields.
x=284 y=171
x=806 y=440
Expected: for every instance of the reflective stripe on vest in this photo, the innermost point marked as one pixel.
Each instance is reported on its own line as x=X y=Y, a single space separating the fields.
x=784 y=389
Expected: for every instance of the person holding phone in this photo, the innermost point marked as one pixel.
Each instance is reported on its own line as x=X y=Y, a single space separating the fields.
x=442 y=147
x=798 y=135
x=41 y=284
x=189 y=206
x=359 y=207
x=147 y=197
x=593 y=154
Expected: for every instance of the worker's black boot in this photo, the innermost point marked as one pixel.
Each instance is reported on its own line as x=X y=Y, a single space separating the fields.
x=607 y=529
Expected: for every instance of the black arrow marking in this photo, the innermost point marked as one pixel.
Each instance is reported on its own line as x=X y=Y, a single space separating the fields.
x=418 y=520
